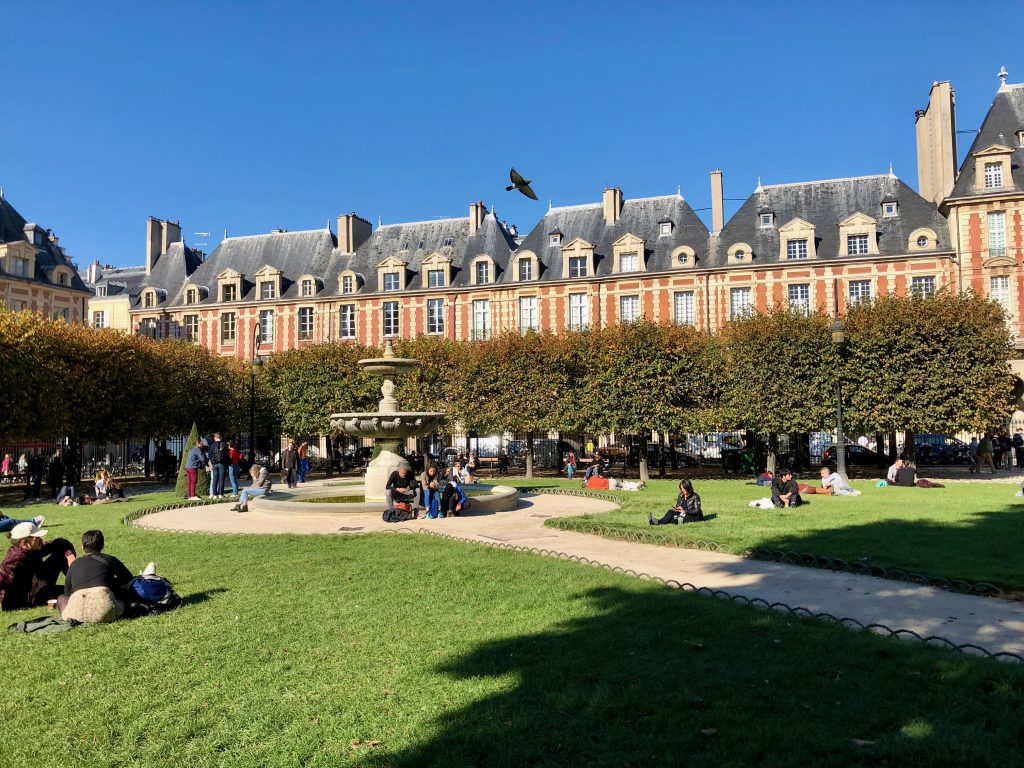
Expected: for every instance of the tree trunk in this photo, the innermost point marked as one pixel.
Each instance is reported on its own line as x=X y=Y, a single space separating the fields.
x=644 y=476
x=773 y=452
x=529 y=456
x=908 y=446
x=892 y=447
x=880 y=449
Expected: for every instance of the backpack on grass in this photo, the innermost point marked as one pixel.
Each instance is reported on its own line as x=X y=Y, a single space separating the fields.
x=155 y=594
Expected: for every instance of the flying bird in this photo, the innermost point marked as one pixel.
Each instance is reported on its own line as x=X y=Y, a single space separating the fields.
x=523 y=185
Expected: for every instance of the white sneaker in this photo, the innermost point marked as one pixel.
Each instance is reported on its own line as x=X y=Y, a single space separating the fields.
x=1018 y=493
x=193 y=498
x=38 y=519
x=149 y=570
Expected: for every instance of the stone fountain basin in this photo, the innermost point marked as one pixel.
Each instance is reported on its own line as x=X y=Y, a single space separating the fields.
x=501 y=498
x=388 y=366
x=386 y=425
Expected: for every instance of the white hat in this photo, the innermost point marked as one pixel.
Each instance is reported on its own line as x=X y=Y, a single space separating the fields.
x=26 y=529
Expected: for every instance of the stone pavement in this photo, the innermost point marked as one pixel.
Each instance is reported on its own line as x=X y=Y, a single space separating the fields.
x=993 y=624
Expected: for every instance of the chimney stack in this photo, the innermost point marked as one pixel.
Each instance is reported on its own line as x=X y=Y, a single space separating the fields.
x=936 y=143
x=717 y=202
x=612 y=204
x=352 y=232
x=159 y=236
x=477 y=211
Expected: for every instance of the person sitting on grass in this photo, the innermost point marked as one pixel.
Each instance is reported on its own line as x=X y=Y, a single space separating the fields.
x=833 y=483
x=686 y=510
x=260 y=487
x=785 y=491
x=96 y=585
x=765 y=478
x=7 y=523
x=890 y=476
x=906 y=476
x=30 y=569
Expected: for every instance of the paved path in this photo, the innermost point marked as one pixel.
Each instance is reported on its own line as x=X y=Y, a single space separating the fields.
x=993 y=624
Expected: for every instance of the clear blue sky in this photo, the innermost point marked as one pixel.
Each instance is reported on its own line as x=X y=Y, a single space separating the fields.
x=252 y=116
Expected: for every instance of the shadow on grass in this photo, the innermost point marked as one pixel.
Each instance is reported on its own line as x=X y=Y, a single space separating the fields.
x=985 y=546
x=201 y=597
x=651 y=676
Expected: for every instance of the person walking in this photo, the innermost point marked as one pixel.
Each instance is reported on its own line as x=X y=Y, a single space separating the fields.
x=194 y=462
x=220 y=460
x=289 y=463
x=5 y=468
x=983 y=456
x=570 y=464
x=1018 y=447
x=55 y=474
x=303 y=453
x=235 y=457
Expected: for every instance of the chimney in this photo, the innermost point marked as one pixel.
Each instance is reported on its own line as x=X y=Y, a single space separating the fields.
x=717 y=202
x=477 y=211
x=93 y=273
x=612 y=204
x=936 y=143
x=171 y=234
x=352 y=232
x=154 y=234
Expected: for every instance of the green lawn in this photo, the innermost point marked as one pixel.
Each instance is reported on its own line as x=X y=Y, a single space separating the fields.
x=972 y=531
x=288 y=649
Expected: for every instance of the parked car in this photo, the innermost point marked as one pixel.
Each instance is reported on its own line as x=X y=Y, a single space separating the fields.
x=683 y=458
x=940 y=449
x=855 y=456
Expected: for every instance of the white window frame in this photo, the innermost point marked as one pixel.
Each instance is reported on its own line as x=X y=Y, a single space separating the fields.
x=859 y=291
x=801 y=301
x=796 y=249
x=268 y=290
x=863 y=246
x=996 y=226
x=629 y=309
x=999 y=291
x=435 y=278
x=224 y=289
x=228 y=328
x=741 y=302
x=307 y=288
x=482 y=269
x=579 y=311
x=101 y=290
x=525 y=266
x=665 y=228
x=347 y=321
x=391 y=322
x=633 y=263
x=190 y=324
x=683 y=308
x=347 y=284
x=529 y=315
x=554 y=241
x=579 y=260
x=994 y=175
x=435 y=317
x=305 y=323
x=267 y=321
x=391 y=281
x=890 y=210
x=922 y=286
x=481 y=317
x=767 y=220
x=99 y=319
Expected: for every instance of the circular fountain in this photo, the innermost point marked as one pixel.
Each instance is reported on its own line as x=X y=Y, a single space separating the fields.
x=388 y=426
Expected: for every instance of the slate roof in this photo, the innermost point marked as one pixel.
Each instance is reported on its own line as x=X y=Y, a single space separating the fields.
x=170 y=272
x=412 y=242
x=293 y=253
x=640 y=217
x=48 y=255
x=1005 y=117
x=126 y=281
x=824 y=204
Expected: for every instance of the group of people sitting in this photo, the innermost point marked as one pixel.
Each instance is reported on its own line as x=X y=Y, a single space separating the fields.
x=97 y=588
x=439 y=494
x=105 y=490
x=904 y=473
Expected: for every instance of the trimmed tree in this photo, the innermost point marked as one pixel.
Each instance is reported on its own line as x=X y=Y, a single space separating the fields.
x=202 y=478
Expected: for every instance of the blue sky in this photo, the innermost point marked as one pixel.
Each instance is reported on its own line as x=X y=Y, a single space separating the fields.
x=254 y=116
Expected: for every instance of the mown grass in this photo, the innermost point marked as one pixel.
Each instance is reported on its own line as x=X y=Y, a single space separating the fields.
x=972 y=531
x=299 y=650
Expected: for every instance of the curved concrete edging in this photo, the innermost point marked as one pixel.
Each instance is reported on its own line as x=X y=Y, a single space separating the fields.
x=502 y=498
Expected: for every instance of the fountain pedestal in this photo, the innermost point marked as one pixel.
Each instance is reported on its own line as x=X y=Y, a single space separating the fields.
x=388 y=426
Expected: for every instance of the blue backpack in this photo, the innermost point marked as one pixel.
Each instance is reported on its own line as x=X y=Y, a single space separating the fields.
x=155 y=594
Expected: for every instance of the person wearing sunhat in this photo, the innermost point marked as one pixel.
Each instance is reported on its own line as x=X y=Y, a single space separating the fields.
x=31 y=568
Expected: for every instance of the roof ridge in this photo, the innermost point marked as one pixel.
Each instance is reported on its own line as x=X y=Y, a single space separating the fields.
x=829 y=181
x=673 y=196
x=277 y=234
x=576 y=207
x=425 y=221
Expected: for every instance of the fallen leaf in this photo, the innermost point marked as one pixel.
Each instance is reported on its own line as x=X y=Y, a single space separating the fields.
x=61 y=682
x=387 y=691
x=88 y=675
x=709 y=732
x=863 y=743
x=374 y=743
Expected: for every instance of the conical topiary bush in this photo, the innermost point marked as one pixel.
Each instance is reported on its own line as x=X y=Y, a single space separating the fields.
x=202 y=480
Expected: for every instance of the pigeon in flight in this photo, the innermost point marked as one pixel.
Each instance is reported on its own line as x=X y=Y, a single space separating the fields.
x=523 y=185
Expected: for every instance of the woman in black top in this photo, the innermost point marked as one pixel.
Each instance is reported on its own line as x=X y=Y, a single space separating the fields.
x=686 y=510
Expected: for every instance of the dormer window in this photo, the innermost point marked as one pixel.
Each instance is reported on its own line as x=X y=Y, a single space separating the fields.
x=307 y=288
x=148 y=301
x=554 y=239
x=856 y=245
x=767 y=219
x=347 y=284
x=268 y=289
x=101 y=290
x=993 y=175
x=740 y=255
x=525 y=270
x=392 y=281
x=922 y=242
x=447 y=243
x=482 y=273
x=683 y=258
x=664 y=228
x=229 y=292
x=1020 y=136
x=435 y=278
x=577 y=266
x=62 y=279
x=629 y=262
x=890 y=209
x=191 y=296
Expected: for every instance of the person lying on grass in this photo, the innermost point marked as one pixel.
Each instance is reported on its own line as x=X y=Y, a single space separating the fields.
x=30 y=569
x=7 y=523
x=686 y=510
x=96 y=586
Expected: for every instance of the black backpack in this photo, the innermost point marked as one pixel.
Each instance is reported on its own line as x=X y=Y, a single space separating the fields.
x=220 y=453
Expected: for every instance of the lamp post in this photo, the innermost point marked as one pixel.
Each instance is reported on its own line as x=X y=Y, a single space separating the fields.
x=839 y=340
x=257 y=362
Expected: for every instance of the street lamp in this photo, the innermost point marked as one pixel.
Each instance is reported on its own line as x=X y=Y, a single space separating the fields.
x=257 y=363
x=839 y=340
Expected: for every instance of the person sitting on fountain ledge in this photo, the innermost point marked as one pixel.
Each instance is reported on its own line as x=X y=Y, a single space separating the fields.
x=400 y=486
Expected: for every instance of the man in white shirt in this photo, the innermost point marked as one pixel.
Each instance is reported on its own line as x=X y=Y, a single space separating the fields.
x=834 y=483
